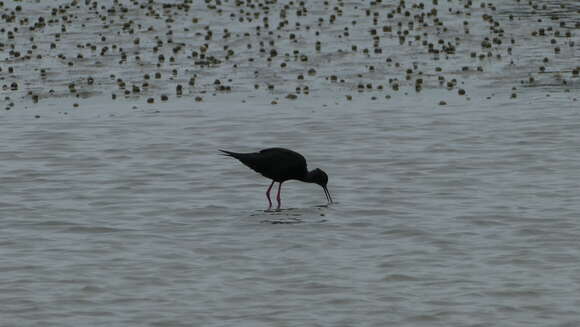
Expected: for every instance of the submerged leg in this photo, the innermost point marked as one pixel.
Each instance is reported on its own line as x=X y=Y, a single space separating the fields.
x=278 y=196
x=268 y=196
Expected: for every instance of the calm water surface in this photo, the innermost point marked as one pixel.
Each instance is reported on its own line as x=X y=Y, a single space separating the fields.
x=122 y=213
x=454 y=217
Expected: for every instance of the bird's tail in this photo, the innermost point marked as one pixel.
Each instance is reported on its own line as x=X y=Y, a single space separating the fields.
x=227 y=153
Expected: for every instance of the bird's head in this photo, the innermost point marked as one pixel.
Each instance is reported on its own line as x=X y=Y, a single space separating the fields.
x=319 y=177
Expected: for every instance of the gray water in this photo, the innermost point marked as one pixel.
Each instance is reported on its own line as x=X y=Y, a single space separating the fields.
x=122 y=213
x=462 y=217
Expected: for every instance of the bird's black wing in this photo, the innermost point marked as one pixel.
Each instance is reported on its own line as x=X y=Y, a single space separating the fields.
x=285 y=154
x=287 y=165
x=253 y=160
x=278 y=164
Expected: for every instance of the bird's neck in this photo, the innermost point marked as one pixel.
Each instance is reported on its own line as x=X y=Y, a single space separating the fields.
x=309 y=177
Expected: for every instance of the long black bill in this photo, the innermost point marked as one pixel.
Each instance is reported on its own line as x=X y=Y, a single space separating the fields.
x=327 y=193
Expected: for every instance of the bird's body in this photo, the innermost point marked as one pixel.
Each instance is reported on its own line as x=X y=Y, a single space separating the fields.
x=277 y=164
x=280 y=165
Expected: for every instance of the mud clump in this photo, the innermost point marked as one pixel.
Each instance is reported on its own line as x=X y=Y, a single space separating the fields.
x=158 y=48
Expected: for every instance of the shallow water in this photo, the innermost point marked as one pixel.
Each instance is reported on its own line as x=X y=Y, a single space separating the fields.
x=440 y=218
x=122 y=213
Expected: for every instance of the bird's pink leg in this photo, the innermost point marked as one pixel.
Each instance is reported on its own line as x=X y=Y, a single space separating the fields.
x=268 y=196
x=278 y=196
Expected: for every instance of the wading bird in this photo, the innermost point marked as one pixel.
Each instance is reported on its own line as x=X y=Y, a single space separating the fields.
x=280 y=165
